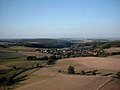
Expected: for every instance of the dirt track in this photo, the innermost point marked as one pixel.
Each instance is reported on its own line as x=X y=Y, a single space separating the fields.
x=112 y=85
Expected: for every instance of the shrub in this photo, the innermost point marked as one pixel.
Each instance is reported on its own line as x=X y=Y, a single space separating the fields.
x=118 y=75
x=31 y=58
x=71 y=70
x=82 y=72
x=14 y=67
x=59 y=71
x=37 y=65
x=49 y=62
x=43 y=58
x=3 y=80
x=53 y=57
x=94 y=72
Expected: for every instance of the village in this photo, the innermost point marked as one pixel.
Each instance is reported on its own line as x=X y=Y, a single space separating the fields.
x=74 y=52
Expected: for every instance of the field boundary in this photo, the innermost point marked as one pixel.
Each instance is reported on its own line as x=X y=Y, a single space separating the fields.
x=102 y=85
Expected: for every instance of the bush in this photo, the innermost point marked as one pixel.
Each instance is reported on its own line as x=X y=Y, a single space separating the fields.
x=31 y=58
x=59 y=71
x=50 y=62
x=3 y=80
x=94 y=72
x=43 y=58
x=71 y=70
x=53 y=57
x=82 y=72
x=118 y=75
x=37 y=65
x=14 y=67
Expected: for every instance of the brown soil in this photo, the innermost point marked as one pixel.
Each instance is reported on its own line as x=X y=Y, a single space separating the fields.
x=4 y=67
x=110 y=50
x=94 y=62
x=38 y=54
x=66 y=82
x=112 y=85
x=59 y=81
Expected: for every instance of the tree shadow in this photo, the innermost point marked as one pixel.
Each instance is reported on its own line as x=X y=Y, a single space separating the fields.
x=107 y=74
x=13 y=81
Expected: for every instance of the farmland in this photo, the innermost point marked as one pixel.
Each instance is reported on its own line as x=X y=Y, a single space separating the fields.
x=29 y=68
x=57 y=81
x=59 y=44
x=13 y=61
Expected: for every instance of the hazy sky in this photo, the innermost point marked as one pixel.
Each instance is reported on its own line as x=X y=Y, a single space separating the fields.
x=59 y=18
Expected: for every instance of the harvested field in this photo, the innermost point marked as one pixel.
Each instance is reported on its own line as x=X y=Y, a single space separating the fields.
x=66 y=82
x=22 y=48
x=112 y=85
x=17 y=48
x=95 y=62
x=115 y=56
x=3 y=67
x=45 y=72
x=110 y=50
x=38 y=54
x=48 y=78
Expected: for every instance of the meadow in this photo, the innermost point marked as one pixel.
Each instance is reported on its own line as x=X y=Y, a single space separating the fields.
x=13 y=64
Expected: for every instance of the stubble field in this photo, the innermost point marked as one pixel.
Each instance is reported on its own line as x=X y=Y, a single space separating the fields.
x=63 y=81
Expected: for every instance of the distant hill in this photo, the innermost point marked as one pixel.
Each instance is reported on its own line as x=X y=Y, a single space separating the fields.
x=47 y=43
x=41 y=43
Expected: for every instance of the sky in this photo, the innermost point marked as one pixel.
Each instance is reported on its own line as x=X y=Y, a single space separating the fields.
x=59 y=19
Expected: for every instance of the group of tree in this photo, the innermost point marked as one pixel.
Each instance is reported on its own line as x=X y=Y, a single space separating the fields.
x=101 y=53
x=49 y=60
x=110 y=44
x=15 y=78
x=115 y=53
x=71 y=70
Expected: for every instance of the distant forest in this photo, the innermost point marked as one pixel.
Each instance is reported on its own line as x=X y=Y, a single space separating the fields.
x=59 y=43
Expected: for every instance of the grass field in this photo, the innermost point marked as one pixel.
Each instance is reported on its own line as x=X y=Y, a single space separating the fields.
x=21 y=64
x=14 y=57
x=18 y=51
x=22 y=48
x=9 y=55
x=18 y=48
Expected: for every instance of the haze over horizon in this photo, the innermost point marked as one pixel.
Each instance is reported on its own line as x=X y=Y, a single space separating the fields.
x=59 y=19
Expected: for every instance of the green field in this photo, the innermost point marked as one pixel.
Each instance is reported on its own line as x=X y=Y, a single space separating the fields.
x=21 y=64
x=9 y=55
x=14 y=66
